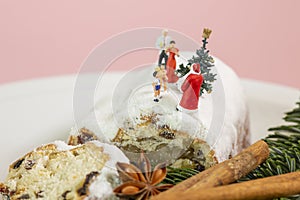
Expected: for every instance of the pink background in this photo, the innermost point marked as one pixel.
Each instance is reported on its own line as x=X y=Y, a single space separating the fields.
x=259 y=39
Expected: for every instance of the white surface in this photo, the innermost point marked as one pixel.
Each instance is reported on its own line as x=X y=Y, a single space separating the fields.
x=40 y=111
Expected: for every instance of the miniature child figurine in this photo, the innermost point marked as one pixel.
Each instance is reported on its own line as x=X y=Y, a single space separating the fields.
x=161 y=44
x=156 y=87
x=171 y=64
x=162 y=76
x=191 y=90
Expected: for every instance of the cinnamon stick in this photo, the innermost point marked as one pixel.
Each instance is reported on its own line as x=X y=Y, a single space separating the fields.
x=265 y=188
x=223 y=173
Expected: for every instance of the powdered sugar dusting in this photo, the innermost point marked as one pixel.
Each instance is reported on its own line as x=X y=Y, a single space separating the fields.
x=102 y=187
x=200 y=124
x=62 y=146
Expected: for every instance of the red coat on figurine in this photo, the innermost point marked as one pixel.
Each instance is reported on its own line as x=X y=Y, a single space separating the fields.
x=191 y=90
x=171 y=63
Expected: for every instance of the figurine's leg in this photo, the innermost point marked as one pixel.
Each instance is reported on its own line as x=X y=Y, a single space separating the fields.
x=166 y=59
x=156 y=96
x=165 y=86
x=161 y=56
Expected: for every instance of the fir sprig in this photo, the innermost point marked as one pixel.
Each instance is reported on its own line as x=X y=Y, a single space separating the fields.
x=177 y=175
x=284 y=156
x=284 y=146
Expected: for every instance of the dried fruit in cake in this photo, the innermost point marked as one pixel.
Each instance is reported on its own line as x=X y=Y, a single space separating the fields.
x=60 y=171
x=84 y=135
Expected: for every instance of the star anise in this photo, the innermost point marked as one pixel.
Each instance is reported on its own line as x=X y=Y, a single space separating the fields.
x=139 y=182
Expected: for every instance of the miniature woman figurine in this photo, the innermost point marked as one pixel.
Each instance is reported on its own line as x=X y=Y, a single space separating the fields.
x=171 y=64
x=191 y=90
x=156 y=87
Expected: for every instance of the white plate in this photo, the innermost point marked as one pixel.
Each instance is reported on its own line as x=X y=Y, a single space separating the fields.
x=40 y=111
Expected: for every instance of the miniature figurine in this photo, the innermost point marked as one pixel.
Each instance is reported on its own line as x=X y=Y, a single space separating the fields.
x=162 y=76
x=191 y=90
x=156 y=87
x=171 y=64
x=162 y=43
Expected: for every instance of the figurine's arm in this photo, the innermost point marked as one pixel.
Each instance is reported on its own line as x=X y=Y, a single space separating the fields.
x=185 y=84
x=158 y=43
x=168 y=40
x=153 y=85
x=166 y=77
x=176 y=51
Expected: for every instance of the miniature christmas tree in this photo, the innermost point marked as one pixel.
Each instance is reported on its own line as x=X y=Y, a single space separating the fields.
x=206 y=63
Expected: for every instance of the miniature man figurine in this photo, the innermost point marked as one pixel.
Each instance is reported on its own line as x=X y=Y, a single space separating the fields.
x=161 y=43
x=171 y=64
x=162 y=76
x=156 y=87
x=191 y=90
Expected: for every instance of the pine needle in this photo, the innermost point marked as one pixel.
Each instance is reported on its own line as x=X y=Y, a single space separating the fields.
x=284 y=146
x=284 y=157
